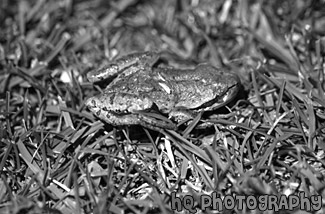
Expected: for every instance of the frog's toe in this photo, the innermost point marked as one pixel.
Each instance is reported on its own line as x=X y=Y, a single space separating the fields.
x=92 y=103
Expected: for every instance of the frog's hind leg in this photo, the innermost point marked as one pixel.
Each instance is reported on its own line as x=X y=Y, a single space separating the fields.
x=122 y=64
x=143 y=58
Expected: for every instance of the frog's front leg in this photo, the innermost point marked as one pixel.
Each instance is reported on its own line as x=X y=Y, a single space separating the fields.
x=126 y=109
x=122 y=64
x=117 y=119
x=135 y=119
x=108 y=104
x=113 y=110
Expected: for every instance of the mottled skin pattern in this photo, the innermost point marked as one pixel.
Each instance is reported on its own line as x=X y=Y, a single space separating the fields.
x=139 y=87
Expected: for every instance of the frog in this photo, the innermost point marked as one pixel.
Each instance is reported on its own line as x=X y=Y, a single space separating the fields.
x=139 y=92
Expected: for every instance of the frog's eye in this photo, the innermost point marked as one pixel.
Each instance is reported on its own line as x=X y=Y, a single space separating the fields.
x=165 y=87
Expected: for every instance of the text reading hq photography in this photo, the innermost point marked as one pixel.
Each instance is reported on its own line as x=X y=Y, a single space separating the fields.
x=261 y=202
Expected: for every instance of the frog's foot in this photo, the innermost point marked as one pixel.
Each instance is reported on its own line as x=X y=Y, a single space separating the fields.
x=181 y=115
x=153 y=120
x=185 y=116
x=122 y=64
x=213 y=120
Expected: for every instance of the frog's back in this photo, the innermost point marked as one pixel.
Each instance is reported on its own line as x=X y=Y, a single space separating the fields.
x=198 y=87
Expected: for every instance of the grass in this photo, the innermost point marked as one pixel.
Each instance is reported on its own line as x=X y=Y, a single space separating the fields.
x=56 y=157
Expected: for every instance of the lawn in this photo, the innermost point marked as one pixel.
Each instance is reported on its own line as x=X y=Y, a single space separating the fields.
x=252 y=154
